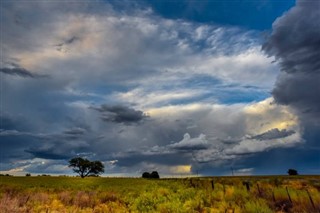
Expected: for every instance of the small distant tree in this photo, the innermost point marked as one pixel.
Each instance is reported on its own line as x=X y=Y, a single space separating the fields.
x=85 y=168
x=28 y=175
x=292 y=172
x=153 y=175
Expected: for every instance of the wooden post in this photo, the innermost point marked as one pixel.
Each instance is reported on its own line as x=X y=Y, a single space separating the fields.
x=288 y=195
x=246 y=183
x=259 y=189
x=212 y=185
x=310 y=198
x=273 y=197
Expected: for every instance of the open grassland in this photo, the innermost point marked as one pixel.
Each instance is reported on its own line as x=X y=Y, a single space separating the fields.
x=207 y=194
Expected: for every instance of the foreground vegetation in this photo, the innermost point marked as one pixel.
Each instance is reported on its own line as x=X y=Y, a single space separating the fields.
x=210 y=194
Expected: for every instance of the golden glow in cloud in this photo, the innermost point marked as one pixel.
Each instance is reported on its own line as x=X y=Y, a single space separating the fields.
x=266 y=115
x=181 y=169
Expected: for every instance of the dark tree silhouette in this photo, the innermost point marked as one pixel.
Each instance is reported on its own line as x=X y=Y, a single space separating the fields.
x=146 y=175
x=153 y=175
x=85 y=168
x=292 y=172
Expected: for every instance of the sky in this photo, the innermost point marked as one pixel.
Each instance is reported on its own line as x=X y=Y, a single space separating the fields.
x=181 y=87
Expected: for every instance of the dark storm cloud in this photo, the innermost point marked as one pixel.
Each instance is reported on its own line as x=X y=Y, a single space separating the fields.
x=295 y=43
x=62 y=145
x=121 y=114
x=268 y=162
x=273 y=134
x=10 y=122
x=69 y=134
x=48 y=154
x=21 y=72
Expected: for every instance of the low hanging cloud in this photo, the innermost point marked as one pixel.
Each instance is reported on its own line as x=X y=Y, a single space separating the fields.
x=121 y=114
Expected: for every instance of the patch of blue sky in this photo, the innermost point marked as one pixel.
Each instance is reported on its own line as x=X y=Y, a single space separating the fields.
x=215 y=90
x=248 y=14
x=233 y=97
x=202 y=80
x=226 y=96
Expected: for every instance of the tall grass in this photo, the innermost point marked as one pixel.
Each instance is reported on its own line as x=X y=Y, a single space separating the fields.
x=225 y=194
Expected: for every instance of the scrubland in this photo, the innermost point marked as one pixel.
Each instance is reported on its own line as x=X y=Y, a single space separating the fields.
x=254 y=194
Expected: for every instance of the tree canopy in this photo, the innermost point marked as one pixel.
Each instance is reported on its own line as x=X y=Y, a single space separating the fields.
x=85 y=168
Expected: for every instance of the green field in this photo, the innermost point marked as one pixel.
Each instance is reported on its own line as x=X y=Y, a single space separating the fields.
x=202 y=194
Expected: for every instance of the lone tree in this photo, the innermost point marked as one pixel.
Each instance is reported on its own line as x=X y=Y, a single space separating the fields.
x=292 y=172
x=85 y=168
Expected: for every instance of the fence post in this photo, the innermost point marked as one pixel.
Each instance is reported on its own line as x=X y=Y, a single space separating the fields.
x=246 y=183
x=310 y=198
x=273 y=197
x=259 y=189
x=288 y=195
x=212 y=185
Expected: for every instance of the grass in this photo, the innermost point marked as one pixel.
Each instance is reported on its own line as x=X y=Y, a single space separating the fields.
x=205 y=194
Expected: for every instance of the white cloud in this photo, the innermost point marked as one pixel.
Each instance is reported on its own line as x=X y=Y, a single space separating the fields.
x=146 y=99
x=191 y=144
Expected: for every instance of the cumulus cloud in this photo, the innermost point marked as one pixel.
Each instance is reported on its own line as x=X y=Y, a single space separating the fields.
x=252 y=146
x=188 y=143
